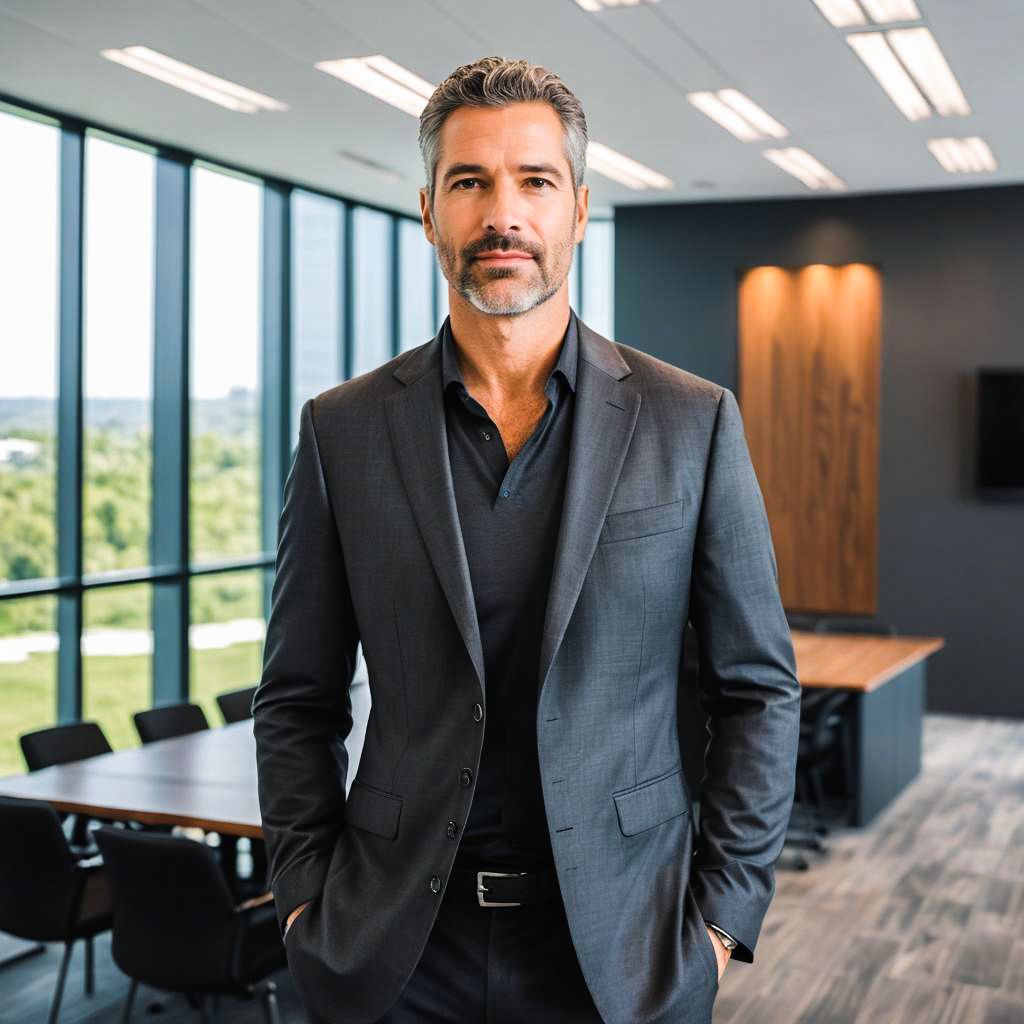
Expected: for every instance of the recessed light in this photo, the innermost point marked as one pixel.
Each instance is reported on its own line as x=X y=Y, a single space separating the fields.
x=877 y=55
x=191 y=79
x=921 y=56
x=738 y=114
x=963 y=156
x=364 y=163
x=623 y=169
x=841 y=13
x=384 y=79
x=812 y=172
x=600 y=5
x=886 y=11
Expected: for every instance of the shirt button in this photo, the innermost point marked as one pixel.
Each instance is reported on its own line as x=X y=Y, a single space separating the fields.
x=487 y=436
x=453 y=830
x=435 y=884
x=504 y=494
x=465 y=778
x=478 y=712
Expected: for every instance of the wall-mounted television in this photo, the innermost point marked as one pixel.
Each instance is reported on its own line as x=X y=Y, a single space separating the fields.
x=999 y=460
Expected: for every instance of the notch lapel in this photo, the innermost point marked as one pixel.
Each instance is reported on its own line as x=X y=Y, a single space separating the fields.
x=607 y=406
x=417 y=426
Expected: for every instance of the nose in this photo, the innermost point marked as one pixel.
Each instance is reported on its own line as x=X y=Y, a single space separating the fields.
x=502 y=214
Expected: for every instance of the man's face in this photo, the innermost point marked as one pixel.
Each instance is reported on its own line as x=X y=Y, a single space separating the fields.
x=505 y=219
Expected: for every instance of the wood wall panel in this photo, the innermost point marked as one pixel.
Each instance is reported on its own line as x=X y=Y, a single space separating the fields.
x=809 y=365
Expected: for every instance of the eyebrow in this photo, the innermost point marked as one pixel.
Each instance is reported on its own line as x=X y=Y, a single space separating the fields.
x=456 y=169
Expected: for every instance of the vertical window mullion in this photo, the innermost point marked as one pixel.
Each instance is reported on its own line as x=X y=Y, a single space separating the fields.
x=396 y=284
x=348 y=294
x=171 y=428
x=69 y=425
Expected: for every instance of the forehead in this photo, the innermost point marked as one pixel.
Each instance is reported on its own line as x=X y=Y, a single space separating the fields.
x=525 y=132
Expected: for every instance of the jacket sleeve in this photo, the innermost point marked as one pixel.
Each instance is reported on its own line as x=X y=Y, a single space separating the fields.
x=302 y=711
x=748 y=688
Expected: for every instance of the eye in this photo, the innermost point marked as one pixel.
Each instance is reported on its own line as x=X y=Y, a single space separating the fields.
x=540 y=182
x=465 y=181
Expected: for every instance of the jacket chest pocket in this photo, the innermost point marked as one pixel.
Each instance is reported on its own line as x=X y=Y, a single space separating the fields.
x=642 y=522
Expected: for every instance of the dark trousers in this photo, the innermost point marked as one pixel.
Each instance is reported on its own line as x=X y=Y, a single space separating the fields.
x=506 y=965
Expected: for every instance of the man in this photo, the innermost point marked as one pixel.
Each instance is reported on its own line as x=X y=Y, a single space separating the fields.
x=517 y=520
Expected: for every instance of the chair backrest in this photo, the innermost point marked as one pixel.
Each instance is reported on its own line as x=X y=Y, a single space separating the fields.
x=38 y=873
x=62 y=744
x=849 y=624
x=236 y=705
x=173 y=921
x=820 y=713
x=169 y=721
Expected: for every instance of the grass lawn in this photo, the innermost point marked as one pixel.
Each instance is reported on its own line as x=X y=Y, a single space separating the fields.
x=114 y=688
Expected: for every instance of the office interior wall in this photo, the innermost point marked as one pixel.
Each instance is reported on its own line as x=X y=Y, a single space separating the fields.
x=950 y=565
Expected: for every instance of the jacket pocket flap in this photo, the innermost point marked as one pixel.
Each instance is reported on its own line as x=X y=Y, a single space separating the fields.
x=651 y=803
x=642 y=522
x=373 y=810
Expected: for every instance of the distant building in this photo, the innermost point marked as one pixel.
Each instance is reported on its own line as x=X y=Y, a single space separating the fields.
x=18 y=450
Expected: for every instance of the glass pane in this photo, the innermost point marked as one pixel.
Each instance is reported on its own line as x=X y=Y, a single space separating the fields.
x=28 y=673
x=574 y=279
x=225 y=366
x=441 y=291
x=415 y=285
x=599 y=277
x=371 y=289
x=118 y=369
x=28 y=348
x=117 y=659
x=226 y=636
x=318 y=298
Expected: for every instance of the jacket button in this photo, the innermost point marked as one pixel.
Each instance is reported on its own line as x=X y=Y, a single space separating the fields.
x=478 y=712
x=465 y=778
x=452 y=830
x=435 y=884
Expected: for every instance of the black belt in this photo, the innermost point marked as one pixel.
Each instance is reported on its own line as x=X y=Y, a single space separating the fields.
x=504 y=887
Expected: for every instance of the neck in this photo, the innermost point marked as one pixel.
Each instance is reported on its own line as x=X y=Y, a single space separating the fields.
x=508 y=356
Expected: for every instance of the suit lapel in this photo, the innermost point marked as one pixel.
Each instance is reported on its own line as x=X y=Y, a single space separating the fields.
x=606 y=411
x=416 y=422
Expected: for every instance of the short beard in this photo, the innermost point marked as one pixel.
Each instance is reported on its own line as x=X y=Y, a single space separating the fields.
x=475 y=292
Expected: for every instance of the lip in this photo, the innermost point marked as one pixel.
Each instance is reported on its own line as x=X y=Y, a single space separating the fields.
x=504 y=257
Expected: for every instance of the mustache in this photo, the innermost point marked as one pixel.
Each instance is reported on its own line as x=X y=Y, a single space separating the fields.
x=501 y=243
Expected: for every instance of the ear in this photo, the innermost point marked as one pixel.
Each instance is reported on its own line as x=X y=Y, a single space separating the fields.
x=582 y=211
x=426 y=216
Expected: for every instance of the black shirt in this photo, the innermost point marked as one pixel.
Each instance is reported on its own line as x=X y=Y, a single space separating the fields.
x=510 y=515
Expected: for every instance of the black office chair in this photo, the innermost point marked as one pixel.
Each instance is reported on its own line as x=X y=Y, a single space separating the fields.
x=177 y=927
x=236 y=705
x=802 y=620
x=169 y=721
x=46 y=893
x=64 y=744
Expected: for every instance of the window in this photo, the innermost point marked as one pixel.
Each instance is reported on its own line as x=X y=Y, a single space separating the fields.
x=416 y=285
x=371 y=289
x=28 y=348
x=225 y=365
x=118 y=365
x=318 y=297
x=598 y=277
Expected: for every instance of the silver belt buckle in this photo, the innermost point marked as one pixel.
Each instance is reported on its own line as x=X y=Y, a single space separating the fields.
x=481 y=888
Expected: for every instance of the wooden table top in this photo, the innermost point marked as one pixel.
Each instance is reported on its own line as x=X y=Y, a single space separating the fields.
x=857 y=661
x=205 y=780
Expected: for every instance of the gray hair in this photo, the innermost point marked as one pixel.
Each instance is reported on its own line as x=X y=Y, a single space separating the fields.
x=498 y=82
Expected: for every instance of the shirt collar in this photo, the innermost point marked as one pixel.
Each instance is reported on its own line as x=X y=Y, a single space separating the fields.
x=568 y=355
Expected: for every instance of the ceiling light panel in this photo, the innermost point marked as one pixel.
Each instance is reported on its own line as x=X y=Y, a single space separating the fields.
x=738 y=114
x=191 y=79
x=841 y=13
x=383 y=79
x=806 y=168
x=963 y=156
x=877 y=55
x=600 y=5
x=623 y=169
x=921 y=56
x=885 y=11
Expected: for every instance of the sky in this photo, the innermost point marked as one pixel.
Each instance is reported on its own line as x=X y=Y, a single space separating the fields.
x=118 y=285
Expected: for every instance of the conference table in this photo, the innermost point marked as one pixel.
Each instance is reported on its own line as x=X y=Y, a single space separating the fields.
x=886 y=679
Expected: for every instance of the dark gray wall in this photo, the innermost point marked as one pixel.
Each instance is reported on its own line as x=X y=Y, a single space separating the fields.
x=952 y=267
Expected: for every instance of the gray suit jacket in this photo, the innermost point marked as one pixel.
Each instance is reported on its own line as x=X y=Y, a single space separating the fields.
x=663 y=523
